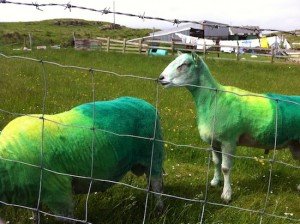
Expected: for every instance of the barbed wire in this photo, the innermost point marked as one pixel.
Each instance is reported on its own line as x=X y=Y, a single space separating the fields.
x=107 y=10
x=204 y=201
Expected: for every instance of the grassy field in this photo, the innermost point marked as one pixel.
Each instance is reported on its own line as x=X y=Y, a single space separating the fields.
x=60 y=31
x=22 y=92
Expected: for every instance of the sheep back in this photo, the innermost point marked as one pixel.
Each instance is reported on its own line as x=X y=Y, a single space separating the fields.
x=68 y=140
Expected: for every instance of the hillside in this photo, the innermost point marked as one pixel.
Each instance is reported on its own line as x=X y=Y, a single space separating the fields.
x=60 y=31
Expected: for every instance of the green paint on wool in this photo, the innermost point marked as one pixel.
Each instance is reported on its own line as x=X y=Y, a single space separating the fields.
x=68 y=149
x=242 y=117
x=249 y=114
x=288 y=116
x=228 y=116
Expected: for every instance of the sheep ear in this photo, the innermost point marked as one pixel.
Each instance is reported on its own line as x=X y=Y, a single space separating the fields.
x=179 y=53
x=196 y=58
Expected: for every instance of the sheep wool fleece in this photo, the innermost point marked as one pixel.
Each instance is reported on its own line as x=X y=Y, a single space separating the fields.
x=68 y=142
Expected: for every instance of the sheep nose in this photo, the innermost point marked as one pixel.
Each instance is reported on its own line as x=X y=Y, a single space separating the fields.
x=161 y=77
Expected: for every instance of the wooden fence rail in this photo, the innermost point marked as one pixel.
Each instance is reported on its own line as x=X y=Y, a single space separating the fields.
x=143 y=47
x=109 y=44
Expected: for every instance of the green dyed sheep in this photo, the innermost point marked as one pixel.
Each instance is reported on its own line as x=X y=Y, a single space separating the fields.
x=248 y=120
x=67 y=148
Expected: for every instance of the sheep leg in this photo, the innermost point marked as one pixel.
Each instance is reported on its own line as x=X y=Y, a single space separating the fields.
x=59 y=200
x=157 y=186
x=228 y=149
x=36 y=217
x=65 y=210
x=217 y=160
x=295 y=150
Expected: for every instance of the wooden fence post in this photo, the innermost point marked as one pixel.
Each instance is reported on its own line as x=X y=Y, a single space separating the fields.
x=273 y=54
x=172 y=47
x=124 y=45
x=108 y=44
x=74 y=38
x=204 y=50
x=238 y=51
x=140 y=46
x=30 y=41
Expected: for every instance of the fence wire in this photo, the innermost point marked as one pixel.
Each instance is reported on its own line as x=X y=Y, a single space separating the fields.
x=152 y=152
x=262 y=212
x=142 y=16
x=44 y=77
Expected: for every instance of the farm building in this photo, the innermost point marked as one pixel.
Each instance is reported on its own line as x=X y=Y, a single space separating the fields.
x=215 y=31
x=194 y=30
x=208 y=30
x=244 y=33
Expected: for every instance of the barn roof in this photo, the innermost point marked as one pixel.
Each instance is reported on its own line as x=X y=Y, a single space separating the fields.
x=177 y=29
x=244 y=30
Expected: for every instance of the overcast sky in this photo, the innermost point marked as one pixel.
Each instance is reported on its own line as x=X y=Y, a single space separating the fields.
x=274 y=14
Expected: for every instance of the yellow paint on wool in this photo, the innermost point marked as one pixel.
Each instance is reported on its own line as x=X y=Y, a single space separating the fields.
x=31 y=126
x=250 y=98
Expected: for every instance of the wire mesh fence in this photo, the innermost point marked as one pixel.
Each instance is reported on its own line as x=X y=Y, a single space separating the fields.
x=205 y=201
x=262 y=212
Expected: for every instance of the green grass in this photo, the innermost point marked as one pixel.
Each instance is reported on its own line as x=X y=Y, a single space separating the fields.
x=60 y=31
x=22 y=91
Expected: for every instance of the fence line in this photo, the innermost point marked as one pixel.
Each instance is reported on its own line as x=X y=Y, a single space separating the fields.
x=42 y=140
x=108 y=44
x=93 y=145
x=204 y=202
x=209 y=156
x=152 y=152
x=174 y=46
x=146 y=79
x=146 y=46
x=271 y=164
x=125 y=46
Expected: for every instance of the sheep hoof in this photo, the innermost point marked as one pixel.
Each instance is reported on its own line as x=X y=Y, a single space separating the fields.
x=160 y=207
x=214 y=182
x=226 y=196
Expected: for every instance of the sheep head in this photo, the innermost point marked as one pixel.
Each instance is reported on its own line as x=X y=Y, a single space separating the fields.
x=182 y=71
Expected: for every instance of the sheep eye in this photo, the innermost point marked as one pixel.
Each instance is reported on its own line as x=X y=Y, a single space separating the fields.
x=185 y=64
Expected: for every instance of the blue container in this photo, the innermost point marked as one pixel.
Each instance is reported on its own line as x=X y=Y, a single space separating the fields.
x=157 y=52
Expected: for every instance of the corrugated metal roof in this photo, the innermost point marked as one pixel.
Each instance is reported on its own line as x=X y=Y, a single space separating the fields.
x=244 y=30
x=185 y=27
x=177 y=29
x=213 y=23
